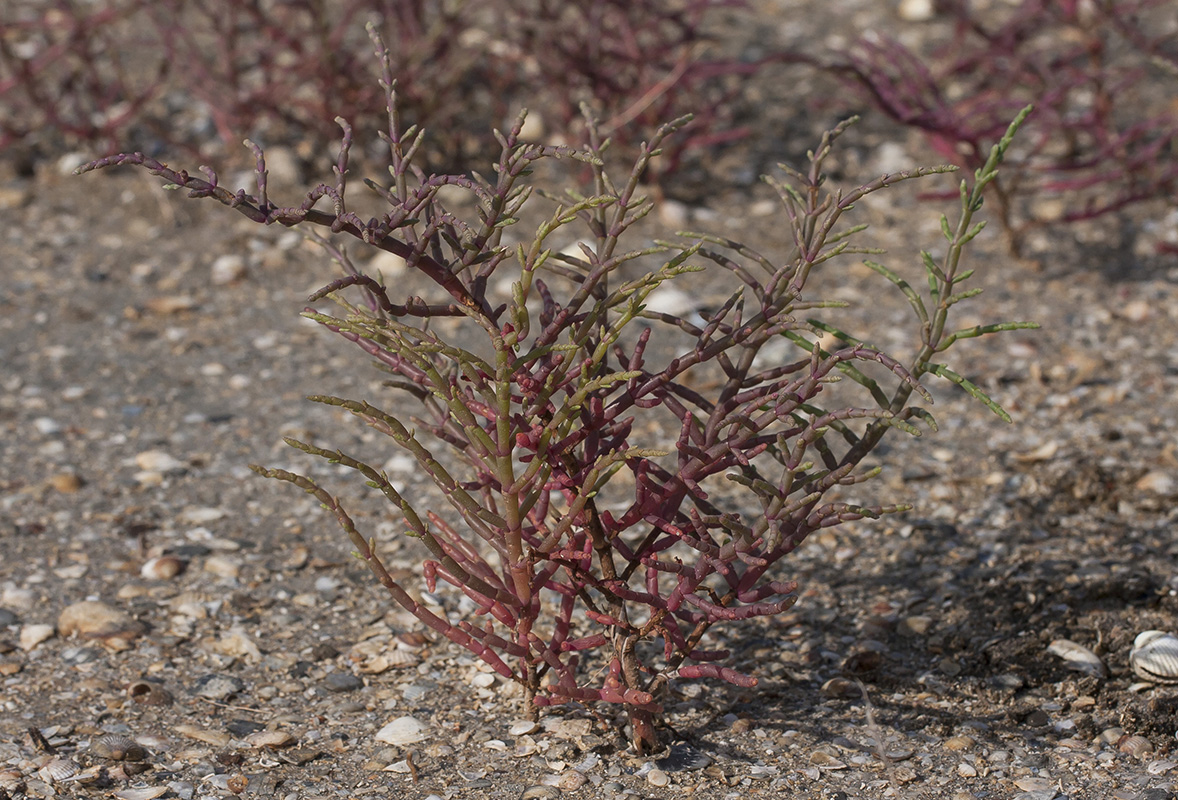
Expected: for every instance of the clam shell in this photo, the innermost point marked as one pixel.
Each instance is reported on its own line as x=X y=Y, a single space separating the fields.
x=57 y=770
x=1155 y=657
x=1136 y=746
x=142 y=793
x=117 y=747
x=1078 y=657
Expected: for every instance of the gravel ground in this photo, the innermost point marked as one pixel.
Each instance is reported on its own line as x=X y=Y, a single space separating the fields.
x=152 y=349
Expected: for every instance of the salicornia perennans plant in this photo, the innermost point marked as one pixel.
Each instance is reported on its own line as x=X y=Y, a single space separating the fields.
x=102 y=71
x=578 y=539
x=1104 y=133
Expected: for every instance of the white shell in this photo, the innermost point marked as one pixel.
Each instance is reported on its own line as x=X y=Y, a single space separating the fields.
x=1155 y=656
x=402 y=731
x=58 y=770
x=1078 y=657
x=142 y=793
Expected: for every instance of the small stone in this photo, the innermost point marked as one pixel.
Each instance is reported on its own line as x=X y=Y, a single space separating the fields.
x=227 y=269
x=270 y=739
x=18 y=599
x=217 y=687
x=7 y=618
x=958 y=743
x=33 y=635
x=158 y=461
x=1157 y=482
x=242 y=728
x=65 y=482
x=215 y=738
x=387 y=264
x=92 y=619
x=170 y=304
x=222 y=567
x=572 y=780
x=13 y=196
x=343 y=682
x=949 y=667
x=914 y=626
x=917 y=10
x=824 y=760
x=46 y=426
x=402 y=731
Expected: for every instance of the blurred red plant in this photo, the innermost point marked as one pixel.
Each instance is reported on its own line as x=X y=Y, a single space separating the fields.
x=126 y=70
x=1098 y=141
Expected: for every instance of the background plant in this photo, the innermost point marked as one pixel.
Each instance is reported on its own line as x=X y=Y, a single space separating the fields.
x=576 y=538
x=1099 y=141
x=127 y=70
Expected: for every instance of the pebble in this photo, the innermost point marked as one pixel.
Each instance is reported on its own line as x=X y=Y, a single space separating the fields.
x=958 y=743
x=217 y=687
x=18 y=599
x=949 y=667
x=33 y=635
x=917 y=10
x=65 y=482
x=226 y=269
x=914 y=626
x=80 y=655
x=92 y=619
x=242 y=728
x=402 y=731
x=270 y=739
x=8 y=618
x=343 y=682
x=158 y=461
x=215 y=738
x=222 y=567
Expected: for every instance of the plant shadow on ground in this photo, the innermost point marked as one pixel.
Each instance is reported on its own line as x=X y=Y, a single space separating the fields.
x=1061 y=565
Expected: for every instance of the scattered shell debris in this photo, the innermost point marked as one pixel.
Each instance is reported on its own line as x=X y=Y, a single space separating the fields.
x=1078 y=658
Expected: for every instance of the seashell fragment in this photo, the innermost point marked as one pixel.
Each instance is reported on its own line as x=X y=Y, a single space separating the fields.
x=402 y=731
x=1136 y=746
x=270 y=739
x=58 y=770
x=116 y=747
x=1154 y=656
x=144 y=793
x=1078 y=657
x=33 y=635
x=91 y=619
x=162 y=568
x=12 y=781
x=146 y=693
